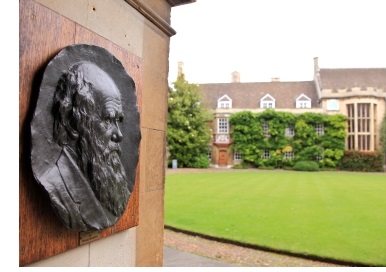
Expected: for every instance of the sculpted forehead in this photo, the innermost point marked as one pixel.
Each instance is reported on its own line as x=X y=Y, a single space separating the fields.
x=101 y=83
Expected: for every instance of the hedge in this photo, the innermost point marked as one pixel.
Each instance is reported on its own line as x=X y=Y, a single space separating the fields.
x=362 y=161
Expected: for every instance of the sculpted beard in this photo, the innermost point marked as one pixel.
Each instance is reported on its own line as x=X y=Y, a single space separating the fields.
x=106 y=172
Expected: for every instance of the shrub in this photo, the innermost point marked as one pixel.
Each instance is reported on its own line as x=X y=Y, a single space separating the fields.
x=310 y=166
x=242 y=165
x=201 y=162
x=362 y=161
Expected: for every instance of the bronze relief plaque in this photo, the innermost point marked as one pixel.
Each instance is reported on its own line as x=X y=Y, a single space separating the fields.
x=85 y=137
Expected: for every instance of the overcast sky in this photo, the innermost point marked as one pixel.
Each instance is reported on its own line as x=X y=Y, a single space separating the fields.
x=262 y=39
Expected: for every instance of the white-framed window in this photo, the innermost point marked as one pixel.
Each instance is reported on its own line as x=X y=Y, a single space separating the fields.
x=332 y=104
x=267 y=102
x=319 y=129
x=224 y=102
x=319 y=155
x=209 y=152
x=288 y=155
x=265 y=128
x=267 y=105
x=303 y=105
x=223 y=125
x=290 y=131
x=224 y=105
x=265 y=154
x=303 y=102
x=237 y=156
x=319 y=158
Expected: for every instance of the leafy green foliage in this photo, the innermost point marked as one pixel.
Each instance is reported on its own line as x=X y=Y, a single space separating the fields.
x=309 y=166
x=202 y=162
x=383 y=136
x=248 y=138
x=362 y=161
x=188 y=133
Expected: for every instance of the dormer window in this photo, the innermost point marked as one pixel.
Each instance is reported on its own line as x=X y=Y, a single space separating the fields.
x=267 y=102
x=303 y=102
x=224 y=102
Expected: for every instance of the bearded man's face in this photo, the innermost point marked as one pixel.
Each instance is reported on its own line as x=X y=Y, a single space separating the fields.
x=99 y=147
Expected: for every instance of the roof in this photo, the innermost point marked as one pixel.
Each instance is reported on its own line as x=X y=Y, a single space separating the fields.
x=248 y=95
x=174 y=3
x=356 y=77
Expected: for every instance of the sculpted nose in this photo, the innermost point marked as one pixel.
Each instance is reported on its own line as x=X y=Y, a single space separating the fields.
x=116 y=134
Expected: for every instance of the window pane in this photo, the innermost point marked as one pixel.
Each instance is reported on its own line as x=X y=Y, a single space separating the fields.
x=223 y=125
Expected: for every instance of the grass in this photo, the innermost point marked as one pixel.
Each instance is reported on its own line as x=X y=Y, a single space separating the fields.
x=328 y=214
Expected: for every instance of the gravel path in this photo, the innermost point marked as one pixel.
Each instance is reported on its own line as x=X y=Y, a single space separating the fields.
x=238 y=255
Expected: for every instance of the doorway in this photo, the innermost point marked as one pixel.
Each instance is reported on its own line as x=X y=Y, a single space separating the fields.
x=223 y=158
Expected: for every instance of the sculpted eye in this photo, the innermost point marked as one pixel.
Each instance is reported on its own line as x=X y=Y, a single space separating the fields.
x=107 y=121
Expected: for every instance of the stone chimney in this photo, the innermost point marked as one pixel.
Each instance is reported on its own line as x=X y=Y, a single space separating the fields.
x=180 y=68
x=316 y=65
x=235 y=77
x=317 y=80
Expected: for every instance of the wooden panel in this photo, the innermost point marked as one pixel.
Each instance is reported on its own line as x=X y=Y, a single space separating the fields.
x=43 y=33
x=40 y=233
x=133 y=66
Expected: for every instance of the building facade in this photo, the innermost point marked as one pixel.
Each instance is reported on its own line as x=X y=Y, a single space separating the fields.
x=359 y=94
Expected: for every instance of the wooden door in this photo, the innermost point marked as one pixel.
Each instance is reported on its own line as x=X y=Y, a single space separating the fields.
x=223 y=158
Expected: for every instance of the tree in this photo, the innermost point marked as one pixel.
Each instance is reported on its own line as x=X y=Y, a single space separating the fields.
x=188 y=133
x=383 y=137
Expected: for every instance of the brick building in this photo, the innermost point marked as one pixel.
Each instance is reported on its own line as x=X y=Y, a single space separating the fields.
x=359 y=94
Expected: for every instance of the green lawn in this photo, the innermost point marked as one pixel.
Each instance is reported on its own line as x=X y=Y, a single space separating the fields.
x=329 y=214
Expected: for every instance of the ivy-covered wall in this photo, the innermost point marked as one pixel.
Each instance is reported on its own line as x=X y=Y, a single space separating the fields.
x=250 y=139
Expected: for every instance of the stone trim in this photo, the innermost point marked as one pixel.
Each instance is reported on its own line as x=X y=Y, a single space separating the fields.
x=152 y=16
